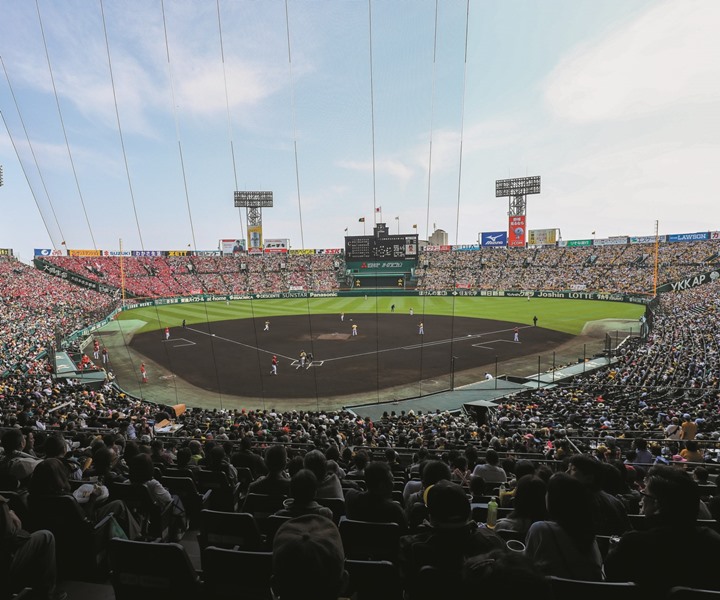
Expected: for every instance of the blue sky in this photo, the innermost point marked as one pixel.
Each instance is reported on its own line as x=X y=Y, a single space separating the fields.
x=615 y=103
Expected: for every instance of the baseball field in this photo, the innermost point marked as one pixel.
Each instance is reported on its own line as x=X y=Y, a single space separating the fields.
x=223 y=354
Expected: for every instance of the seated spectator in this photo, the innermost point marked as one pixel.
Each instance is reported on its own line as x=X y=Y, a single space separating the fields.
x=528 y=506
x=29 y=557
x=245 y=457
x=565 y=545
x=376 y=504
x=692 y=453
x=670 y=505
x=460 y=473
x=308 y=560
x=608 y=512
x=142 y=472
x=303 y=491
x=276 y=482
x=328 y=483
x=16 y=465
x=103 y=469
x=56 y=447
x=216 y=460
x=360 y=461
x=505 y=574
x=432 y=472
x=448 y=539
x=50 y=479
x=491 y=472
x=391 y=456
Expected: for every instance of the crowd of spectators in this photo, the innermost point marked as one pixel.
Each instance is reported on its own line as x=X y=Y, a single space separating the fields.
x=35 y=307
x=628 y=268
x=653 y=416
x=161 y=276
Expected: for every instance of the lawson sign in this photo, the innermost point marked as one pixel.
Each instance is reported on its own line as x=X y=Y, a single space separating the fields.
x=689 y=237
x=493 y=238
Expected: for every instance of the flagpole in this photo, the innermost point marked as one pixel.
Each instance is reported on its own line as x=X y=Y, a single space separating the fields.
x=398 y=224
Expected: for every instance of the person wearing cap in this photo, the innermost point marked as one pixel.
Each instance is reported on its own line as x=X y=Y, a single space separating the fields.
x=308 y=560
x=448 y=537
x=671 y=501
x=273 y=365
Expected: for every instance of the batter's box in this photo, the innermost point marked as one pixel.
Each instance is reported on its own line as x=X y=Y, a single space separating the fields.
x=179 y=342
x=485 y=347
x=312 y=363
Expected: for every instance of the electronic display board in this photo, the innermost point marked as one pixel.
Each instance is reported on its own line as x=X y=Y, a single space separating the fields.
x=368 y=247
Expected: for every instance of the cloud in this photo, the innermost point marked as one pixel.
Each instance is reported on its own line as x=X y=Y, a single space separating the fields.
x=662 y=59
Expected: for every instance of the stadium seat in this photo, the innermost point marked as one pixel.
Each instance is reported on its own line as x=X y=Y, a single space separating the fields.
x=154 y=519
x=80 y=546
x=229 y=530
x=572 y=589
x=152 y=570
x=237 y=574
x=363 y=540
x=185 y=489
x=686 y=593
x=373 y=580
x=223 y=493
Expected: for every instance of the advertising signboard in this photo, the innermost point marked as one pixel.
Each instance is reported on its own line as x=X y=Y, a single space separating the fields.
x=516 y=231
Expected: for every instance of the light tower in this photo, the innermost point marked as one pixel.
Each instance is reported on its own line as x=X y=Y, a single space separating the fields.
x=516 y=190
x=254 y=202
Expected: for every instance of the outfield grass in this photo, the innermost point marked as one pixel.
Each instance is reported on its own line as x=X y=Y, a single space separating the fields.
x=568 y=316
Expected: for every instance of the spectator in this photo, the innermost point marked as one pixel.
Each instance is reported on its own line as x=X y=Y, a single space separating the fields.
x=670 y=504
x=448 y=539
x=565 y=545
x=308 y=560
x=303 y=491
x=376 y=503
x=276 y=482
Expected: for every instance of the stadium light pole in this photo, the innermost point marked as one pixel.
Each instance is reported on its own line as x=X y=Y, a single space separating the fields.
x=398 y=224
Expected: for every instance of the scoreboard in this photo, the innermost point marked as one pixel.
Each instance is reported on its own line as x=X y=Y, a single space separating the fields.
x=368 y=247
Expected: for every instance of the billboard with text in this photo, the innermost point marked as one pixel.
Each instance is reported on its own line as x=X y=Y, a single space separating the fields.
x=516 y=231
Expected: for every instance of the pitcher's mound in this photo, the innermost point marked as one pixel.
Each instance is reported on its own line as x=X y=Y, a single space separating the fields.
x=333 y=336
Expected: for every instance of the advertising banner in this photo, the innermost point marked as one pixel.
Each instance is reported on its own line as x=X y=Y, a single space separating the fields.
x=465 y=248
x=443 y=248
x=689 y=237
x=690 y=282
x=44 y=252
x=275 y=246
x=646 y=239
x=178 y=253
x=715 y=235
x=117 y=253
x=576 y=243
x=494 y=238
x=611 y=241
x=6 y=252
x=229 y=246
x=542 y=237
x=147 y=253
x=329 y=251
x=84 y=253
x=301 y=251
x=516 y=231
x=255 y=237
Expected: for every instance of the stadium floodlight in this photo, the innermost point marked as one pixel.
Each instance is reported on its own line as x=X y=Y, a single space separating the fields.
x=253 y=203
x=520 y=186
x=253 y=199
x=516 y=189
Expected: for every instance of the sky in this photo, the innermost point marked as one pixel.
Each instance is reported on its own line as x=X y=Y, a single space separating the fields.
x=132 y=122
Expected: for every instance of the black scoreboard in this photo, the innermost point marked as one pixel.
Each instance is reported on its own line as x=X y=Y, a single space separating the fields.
x=368 y=247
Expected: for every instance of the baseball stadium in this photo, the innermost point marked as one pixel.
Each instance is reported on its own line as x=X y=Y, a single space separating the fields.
x=316 y=300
